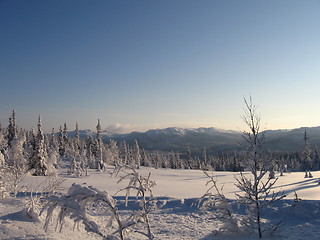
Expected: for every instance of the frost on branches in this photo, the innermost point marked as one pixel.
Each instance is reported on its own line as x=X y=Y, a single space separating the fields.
x=218 y=202
x=15 y=167
x=142 y=186
x=80 y=199
x=255 y=189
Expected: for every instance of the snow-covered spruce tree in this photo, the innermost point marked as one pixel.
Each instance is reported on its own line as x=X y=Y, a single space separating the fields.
x=99 y=149
x=38 y=159
x=4 y=192
x=172 y=160
x=52 y=150
x=61 y=145
x=114 y=154
x=76 y=141
x=29 y=144
x=256 y=189
x=157 y=160
x=178 y=161
x=90 y=151
x=75 y=154
x=12 y=128
x=83 y=159
x=205 y=164
x=16 y=164
x=65 y=134
x=136 y=156
x=306 y=156
x=189 y=160
x=124 y=153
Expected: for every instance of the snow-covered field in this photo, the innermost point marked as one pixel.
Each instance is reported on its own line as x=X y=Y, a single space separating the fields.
x=178 y=216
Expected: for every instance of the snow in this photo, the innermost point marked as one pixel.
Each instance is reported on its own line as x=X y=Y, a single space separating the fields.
x=178 y=216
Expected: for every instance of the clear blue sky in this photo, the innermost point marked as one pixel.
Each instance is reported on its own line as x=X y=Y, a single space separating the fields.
x=138 y=64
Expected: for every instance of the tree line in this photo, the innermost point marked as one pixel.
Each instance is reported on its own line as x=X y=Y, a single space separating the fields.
x=41 y=154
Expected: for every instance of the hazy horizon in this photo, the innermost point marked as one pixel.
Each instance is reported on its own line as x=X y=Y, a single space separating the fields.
x=125 y=129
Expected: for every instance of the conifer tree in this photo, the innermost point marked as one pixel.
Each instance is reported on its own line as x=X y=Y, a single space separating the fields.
x=77 y=139
x=52 y=149
x=90 y=152
x=38 y=159
x=145 y=159
x=61 y=143
x=205 y=164
x=136 y=154
x=189 y=163
x=306 y=154
x=99 y=146
x=16 y=164
x=65 y=134
x=12 y=128
x=124 y=153
x=114 y=157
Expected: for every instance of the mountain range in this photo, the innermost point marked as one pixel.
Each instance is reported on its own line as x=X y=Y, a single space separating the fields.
x=215 y=140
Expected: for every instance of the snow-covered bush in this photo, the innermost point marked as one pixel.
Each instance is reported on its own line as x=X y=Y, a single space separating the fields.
x=75 y=205
x=16 y=164
x=80 y=198
x=38 y=195
x=143 y=187
x=218 y=202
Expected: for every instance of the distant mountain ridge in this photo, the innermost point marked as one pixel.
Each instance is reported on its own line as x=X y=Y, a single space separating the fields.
x=214 y=140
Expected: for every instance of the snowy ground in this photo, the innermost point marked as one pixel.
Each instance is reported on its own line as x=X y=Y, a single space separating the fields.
x=177 y=217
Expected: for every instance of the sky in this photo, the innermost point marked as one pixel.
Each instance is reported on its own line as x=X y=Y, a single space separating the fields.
x=143 y=64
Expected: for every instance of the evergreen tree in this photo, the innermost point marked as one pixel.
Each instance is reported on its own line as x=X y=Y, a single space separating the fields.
x=172 y=162
x=16 y=164
x=61 y=143
x=307 y=161
x=136 y=156
x=77 y=139
x=189 y=163
x=90 y=152
x=178 y=161
x=99 y=148
x=65 y=134
x=145 y=159
x=205 y=163
x=124 y=153
x=12 y=128
x=114 y=154
x=52 y=150
x=37 y=161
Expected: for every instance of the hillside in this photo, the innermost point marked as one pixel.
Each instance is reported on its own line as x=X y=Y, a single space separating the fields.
x=215 y=140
